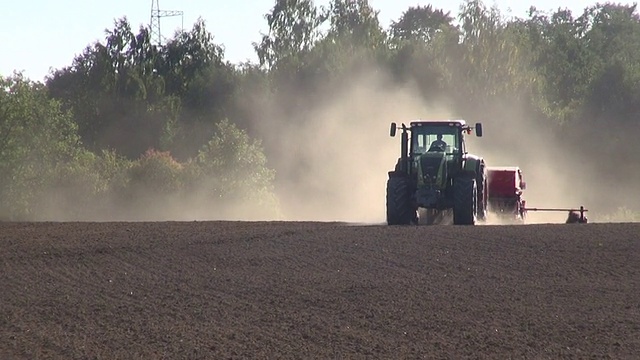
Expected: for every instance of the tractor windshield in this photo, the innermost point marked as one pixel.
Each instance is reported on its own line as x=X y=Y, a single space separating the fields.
x=435 y=138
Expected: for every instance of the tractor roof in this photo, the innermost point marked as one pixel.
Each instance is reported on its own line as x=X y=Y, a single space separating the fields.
x=457 y=122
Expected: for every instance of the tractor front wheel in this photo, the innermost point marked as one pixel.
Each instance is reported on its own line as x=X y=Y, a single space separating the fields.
x=464 y=201
x=399 y=208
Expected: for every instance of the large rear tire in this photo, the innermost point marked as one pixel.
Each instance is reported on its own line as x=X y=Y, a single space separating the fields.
x=399 y=209
x=483 y=192
x=464 y=201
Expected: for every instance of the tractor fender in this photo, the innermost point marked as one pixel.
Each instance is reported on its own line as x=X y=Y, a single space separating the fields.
x=471 y=163
x=398 y=173
x=475 y=167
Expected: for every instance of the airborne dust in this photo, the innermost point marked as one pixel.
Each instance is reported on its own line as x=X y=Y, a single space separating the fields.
x=332 y=159
x=333 y=166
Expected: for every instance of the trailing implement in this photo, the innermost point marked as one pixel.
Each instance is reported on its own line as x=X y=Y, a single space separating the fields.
x=506 y=185
x=435 y=175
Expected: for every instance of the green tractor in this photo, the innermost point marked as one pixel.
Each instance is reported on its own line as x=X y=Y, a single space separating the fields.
x=435 y=175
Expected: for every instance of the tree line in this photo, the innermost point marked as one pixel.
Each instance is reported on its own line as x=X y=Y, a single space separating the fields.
x=129 y=122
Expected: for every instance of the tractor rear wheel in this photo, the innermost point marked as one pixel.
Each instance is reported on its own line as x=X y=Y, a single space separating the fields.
x=399 y=209
x=482 y=190
x=464 y=201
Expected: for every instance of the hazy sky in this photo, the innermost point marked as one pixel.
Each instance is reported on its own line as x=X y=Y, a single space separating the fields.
x=36 y=35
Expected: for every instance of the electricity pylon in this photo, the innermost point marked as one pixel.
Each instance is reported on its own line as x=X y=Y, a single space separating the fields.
x=156 y=15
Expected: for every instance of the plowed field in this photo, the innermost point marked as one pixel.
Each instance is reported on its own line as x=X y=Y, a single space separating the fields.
x=218 y=290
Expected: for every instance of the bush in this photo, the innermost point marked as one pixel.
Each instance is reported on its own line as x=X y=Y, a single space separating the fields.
x=83 y=188
x=156 y=172
x=234 y=171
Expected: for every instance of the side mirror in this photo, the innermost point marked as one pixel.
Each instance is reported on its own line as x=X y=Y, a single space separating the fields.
x=523 y=185
x=392 y=132
x=478 y=129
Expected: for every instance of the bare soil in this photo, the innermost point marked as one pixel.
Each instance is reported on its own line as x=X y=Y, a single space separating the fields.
x=252 y=290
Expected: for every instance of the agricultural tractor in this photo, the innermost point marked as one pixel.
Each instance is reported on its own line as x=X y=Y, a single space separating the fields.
x=435 y=175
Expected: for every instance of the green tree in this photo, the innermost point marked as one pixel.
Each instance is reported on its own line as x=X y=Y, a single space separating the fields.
x=129 y=95
x=110 y=89
x=294 y=28
x=487 y=62
x=563 y=62
x=355 y=22
x=353 y=41
x=188 y=55
x=422 y=42
x=613 y=37
x=35 y=136
x=420 y=23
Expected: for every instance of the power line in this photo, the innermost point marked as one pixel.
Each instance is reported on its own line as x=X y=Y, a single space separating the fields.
x=156 y=15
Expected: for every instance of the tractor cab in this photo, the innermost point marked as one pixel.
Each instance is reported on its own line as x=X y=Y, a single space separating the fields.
x=433 y=139
x=438 y=138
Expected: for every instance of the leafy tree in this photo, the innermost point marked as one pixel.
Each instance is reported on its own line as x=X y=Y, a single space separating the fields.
x=35 y=135
x=188 y=55
x=356 y=22
x=353 y=41
x=130 y=96
x=110 y=89
x=485 y=53
x=613 y=37
x=422 y=41
x=420 y=23
x=563 y=61
x=294 y=28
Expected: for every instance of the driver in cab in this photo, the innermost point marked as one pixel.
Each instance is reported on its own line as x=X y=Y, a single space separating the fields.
x=438 y=144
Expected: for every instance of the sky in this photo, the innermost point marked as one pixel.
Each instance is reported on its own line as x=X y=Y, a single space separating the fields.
x=37 y=36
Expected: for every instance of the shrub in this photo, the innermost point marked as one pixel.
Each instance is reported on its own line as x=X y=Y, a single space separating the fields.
x=156 y=172
x=234 y=171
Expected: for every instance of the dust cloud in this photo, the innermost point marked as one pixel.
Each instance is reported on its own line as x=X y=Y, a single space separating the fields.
x=332 y=161
x=333 y=165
